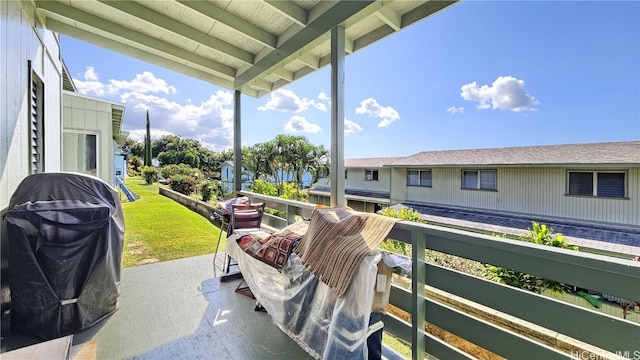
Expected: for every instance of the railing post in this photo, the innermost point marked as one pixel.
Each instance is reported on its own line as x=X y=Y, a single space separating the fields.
x=291 y=215
x=418 y=297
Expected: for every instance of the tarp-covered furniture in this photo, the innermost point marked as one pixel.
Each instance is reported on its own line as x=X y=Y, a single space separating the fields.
x=327 y=317
x=65 y=233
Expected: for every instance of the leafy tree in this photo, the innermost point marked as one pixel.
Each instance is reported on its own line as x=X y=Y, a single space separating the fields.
x=190 y=158
x=285 y=154
x=135 y=164
x=172 y=149
x=171 y=170
x=537 y=234
x=147 y=144
x=133 y=147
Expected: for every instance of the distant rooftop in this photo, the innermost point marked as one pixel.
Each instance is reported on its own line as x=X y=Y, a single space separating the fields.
x=614 y=153
x=604 y=237
x=353 y=193
x=370 y=162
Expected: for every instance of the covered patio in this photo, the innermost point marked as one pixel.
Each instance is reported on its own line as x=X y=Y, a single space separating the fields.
x=178 y=309
x=250 y=47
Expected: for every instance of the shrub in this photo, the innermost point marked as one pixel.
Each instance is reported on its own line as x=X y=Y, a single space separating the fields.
x=402 y=214
x=183 y=184
x=150 y=174
x=265 y=188
x=180 y=169
x=209 y=189
x=539 y=234
x=291 y=191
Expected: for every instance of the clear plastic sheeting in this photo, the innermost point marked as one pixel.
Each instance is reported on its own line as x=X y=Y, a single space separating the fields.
x=307 y=310
x=65 y=234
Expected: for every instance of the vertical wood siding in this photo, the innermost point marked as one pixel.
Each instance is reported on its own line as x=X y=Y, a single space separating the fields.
x=538 y=191
x=21 y=43
x=355 y=180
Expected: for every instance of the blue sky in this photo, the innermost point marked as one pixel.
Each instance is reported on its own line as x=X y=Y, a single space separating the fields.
x=479 y=74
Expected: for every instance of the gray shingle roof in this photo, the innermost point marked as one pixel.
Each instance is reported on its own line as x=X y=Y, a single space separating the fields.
x=326 y=190
x=619 y=239
x=627 y=153
x=370 y=162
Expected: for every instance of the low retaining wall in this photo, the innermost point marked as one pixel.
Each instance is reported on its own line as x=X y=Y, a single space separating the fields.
x=205 y=209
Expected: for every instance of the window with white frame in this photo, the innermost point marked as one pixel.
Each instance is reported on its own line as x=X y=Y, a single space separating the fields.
x=419 y=178
x=80 y=152
x=597 y=183
x=370 y=175
x=480 y=179
x=36 y=122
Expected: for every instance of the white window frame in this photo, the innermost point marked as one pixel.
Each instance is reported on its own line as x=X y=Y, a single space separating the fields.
x=595 y=183
x=370 y=177
x=420 y=171
x=88 y=132
x=478 y=176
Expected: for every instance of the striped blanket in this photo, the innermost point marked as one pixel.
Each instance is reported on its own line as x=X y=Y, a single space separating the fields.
x=337 y=241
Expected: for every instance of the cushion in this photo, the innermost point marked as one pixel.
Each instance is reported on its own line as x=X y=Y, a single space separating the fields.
x=275 y=249
x=247 y=219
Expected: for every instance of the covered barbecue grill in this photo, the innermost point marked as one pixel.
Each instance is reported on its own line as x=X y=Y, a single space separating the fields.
x=65 y=234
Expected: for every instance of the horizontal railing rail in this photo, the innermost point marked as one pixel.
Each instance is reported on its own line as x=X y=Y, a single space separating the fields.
x=570 y=331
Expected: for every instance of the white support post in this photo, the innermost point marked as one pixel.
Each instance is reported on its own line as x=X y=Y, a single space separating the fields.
x=237 y=142
x=337 y=116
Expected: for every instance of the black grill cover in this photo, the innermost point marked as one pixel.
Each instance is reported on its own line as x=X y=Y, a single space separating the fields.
x=65 y=234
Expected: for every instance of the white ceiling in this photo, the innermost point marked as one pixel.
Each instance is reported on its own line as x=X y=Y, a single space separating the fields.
x=248 y=45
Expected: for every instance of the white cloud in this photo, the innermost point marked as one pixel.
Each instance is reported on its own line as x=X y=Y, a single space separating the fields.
x=139 y=134
x=287 y=100
x=298 y=124
x=210 y=122
x=90 y=84
x=142 y=83
x=454 y=110
x=506 y=93
x=351 y=127
x=322 y=96
x=320 y=106
x=371 y=107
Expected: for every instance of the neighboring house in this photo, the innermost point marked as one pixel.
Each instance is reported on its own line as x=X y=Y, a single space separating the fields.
x=226 y=176
x=589 y=192
x=120 y=163
x=585 y=182
x=91 y=133
x=367 y=184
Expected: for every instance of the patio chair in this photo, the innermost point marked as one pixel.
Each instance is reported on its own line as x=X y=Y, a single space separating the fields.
x=246 y=216
x=243 y=216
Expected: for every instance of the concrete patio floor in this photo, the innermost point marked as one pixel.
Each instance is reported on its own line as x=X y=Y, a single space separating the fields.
x=177 y=309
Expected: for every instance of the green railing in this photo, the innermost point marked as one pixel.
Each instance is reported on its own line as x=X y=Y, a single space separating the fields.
x=590 y=333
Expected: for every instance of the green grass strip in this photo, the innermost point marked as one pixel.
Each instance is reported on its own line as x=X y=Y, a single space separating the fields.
x=157 y=227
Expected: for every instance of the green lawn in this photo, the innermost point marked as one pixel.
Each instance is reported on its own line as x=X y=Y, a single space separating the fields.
x=156 y=227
